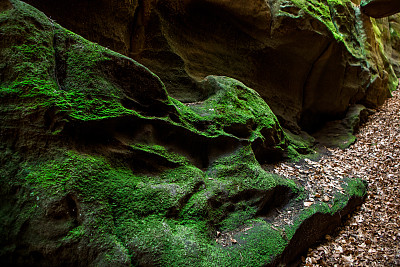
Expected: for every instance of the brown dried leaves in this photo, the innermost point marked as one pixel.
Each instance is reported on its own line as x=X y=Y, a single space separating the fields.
x=371 y=237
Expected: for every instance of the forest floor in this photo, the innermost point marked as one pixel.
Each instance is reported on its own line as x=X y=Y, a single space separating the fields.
x=371 y=235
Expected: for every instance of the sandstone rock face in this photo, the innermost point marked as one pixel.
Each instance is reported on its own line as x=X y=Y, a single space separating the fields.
x=393 y=38
x=112 y=26
x=5 y=5
x=102 y=167
x=308 y=59
x=341 y=133
x=380 y=8
x=394 y=54
x=387 y=31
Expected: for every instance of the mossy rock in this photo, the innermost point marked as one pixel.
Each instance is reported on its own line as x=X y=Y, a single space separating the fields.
x=102 y=167
x=233 y=109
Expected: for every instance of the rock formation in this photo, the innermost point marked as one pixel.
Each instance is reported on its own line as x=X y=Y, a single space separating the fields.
x=389 y=33
x=5 y=5
x=380 y=8
x=108 y=161
x=265 y=44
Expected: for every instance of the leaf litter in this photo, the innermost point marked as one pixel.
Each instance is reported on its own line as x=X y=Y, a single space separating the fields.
x=371 y=236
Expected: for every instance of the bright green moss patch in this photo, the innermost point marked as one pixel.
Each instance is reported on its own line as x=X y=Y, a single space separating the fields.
x=320 y=11
x=161 y=151
x=355 y=187
x=178 y=225
x=125 y=197
x=179 y=245
x=259 y=246
x=238 y=218
x=75 y=234
x=163 y=242
x=241 y=171
x=27 y=55
x=84 y=89
x=379 y=37
x=299 y=146
x=338 y=16
x=231 y=108
x=237 y=185
x=96 y=180
x=50 y=66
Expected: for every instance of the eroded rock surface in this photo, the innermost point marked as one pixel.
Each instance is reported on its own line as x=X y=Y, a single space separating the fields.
x=380 y=8
x=341 y=133
x=307 y=59
x=391 y=36
x=5 y=5
x=102 y=167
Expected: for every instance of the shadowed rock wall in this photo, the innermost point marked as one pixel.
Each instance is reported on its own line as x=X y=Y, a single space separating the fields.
x=309 y=60
x=100 y=166
x=5 y=5
x=380 y=8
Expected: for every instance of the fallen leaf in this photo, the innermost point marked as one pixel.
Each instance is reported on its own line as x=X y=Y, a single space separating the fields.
x=308 y=203
x=348 y=258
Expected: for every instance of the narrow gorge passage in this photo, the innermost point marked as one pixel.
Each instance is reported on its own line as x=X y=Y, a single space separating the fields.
x=371 y=236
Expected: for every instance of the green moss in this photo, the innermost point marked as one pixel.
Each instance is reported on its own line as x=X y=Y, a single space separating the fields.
x=161 y=151
x=238 y=218
x=28 y=58
x=95 y=179
x=365 y=2
x=165 y=242
x=299 y=146
x=231 y=109
x=343 y=20
x=166 y=218
x=355 y=187
x=394 y=33
x=82 y=91
x=321 y=11
x=238 y=183
x=129 y=210
x=241 y=171
x=85 y=93
x=187 y=245
x=379 y=38
x=352 y=188
x=76 y=233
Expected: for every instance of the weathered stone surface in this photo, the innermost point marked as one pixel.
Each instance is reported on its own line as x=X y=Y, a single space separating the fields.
x=5 y=5
x=380 y=8
x=265 y=44
x=110 y=23
x=394 y=54
x=275 y=59
x=102 y=167
x=341 y=133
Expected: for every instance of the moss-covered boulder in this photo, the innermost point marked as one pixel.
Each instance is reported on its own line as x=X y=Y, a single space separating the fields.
x=101 y=167
x=231 y=108
x=309 y=60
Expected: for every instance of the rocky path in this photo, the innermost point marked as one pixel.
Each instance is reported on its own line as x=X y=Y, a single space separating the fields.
x=371 y=237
